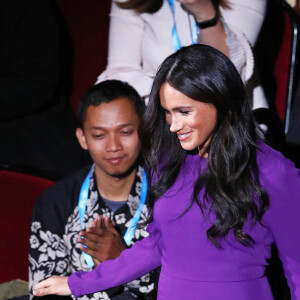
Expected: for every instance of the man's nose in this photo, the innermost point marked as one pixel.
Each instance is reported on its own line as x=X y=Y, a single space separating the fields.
x=113 y=144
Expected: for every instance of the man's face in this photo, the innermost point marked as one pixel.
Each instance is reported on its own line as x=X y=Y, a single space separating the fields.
x=110 y=135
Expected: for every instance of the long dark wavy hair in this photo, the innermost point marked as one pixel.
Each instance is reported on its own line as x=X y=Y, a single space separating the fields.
x=152 y=6
x=231 y=180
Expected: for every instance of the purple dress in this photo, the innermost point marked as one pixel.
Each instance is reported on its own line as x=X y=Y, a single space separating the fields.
x=191 y=267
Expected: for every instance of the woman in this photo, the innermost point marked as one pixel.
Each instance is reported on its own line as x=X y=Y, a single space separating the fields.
x=219 y=197
x=143 y=33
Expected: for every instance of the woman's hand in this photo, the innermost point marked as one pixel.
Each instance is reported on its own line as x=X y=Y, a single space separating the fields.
x=204 y=10
x=57 y=285
x=201 y=9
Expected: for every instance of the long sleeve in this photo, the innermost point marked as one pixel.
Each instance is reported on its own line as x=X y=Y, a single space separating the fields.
x=242 y=25
x=47 y=249
x=138 y=43
x=141 y=258
x=124 y=50
x=282 y=181
x=247 y=17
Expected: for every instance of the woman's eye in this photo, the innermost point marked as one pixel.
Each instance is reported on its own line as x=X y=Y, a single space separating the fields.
x=184 y=112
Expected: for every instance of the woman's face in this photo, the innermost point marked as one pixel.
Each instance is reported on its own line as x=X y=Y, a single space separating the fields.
x=193 y=121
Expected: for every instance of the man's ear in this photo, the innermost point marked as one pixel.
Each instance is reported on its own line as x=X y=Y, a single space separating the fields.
x=81 y=138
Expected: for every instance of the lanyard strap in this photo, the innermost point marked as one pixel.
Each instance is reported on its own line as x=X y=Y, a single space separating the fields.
x=131 y=229
x=175 y=38
x=83 y=195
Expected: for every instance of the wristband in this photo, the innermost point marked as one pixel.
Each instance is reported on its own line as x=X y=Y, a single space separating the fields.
x=211 y=22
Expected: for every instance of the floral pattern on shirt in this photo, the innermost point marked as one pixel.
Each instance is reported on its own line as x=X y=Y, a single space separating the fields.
x=51 y=254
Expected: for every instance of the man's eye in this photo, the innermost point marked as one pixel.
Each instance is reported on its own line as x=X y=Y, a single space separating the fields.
x=126 y=132
x=98 y=136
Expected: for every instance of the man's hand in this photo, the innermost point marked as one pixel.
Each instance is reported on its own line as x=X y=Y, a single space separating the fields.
x=57 y=285
x=102 y=240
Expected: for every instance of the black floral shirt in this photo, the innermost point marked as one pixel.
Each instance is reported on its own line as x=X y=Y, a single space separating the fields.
x=55 y=225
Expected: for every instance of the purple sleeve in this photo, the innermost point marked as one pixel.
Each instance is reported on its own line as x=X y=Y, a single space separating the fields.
x=142 y=257
x=282 y=181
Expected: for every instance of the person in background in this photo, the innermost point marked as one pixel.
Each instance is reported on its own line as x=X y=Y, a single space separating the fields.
x=143 y=33
x=219 y=196
x=92 y=216
x=37 y=125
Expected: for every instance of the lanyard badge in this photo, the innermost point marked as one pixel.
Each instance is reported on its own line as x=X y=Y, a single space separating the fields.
x=83 y=196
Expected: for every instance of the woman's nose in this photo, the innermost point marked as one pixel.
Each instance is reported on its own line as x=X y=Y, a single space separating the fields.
x=176 y=124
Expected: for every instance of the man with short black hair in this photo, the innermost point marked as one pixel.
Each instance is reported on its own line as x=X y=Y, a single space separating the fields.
x=92 y=215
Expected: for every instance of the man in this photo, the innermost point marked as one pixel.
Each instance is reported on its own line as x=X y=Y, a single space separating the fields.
x=87 y=218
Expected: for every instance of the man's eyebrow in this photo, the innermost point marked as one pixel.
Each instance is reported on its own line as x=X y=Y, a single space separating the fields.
x=118 y=125
x=125 y=124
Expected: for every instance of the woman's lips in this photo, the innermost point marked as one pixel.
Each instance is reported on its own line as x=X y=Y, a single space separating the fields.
x=184 y=136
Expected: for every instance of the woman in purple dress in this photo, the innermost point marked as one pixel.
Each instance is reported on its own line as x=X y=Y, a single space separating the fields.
x=220 y=197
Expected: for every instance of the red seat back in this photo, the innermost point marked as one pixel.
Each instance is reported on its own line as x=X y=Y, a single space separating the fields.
x=18 y=192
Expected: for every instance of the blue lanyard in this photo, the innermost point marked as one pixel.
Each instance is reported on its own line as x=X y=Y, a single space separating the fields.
x=83 y=195
x=131 y=229
x=175 y=38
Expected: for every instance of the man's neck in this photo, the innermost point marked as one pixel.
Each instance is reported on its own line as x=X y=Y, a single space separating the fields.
x=114 y=188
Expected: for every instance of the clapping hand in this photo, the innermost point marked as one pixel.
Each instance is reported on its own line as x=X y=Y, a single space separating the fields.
x=101 y=241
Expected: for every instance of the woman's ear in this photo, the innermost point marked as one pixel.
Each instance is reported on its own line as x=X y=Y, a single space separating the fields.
x=81 y=138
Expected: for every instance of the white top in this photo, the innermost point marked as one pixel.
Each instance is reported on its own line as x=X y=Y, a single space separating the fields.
x=138 y=43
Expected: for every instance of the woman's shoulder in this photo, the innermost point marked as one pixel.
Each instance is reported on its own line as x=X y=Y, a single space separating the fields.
x=267 y=156
x=273 y=165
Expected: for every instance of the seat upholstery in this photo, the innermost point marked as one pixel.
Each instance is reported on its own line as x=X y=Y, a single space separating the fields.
x=18 y=192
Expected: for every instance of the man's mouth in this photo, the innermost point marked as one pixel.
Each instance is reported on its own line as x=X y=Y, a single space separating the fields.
x=115 y=160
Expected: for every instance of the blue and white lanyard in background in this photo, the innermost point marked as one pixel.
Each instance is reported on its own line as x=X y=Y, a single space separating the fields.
x=83 y=195
x=175 y=38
